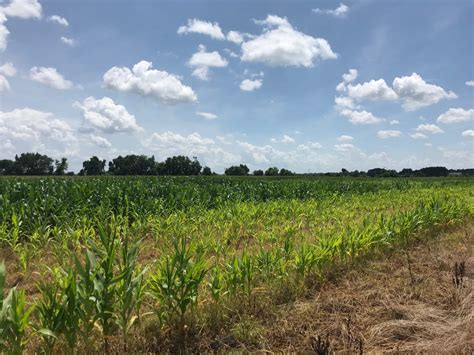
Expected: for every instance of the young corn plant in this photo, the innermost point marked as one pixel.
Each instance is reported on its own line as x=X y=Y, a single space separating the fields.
x=14 y=318
x=175 y=285
x=130 y=289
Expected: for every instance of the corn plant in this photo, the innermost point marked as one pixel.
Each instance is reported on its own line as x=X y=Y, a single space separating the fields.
x=175 y=283
x=14 y=318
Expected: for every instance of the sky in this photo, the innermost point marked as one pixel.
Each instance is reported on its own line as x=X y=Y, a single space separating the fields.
x=311 y=86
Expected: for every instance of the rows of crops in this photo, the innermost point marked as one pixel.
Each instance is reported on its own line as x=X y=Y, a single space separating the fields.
x=151 y=264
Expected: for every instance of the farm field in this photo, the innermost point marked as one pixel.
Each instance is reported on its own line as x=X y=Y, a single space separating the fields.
x=161 y=264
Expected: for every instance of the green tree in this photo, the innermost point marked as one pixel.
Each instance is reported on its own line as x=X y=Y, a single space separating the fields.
x=60 y=166
x=7 y=167
x=206 y=171
x=133 y=165
x=33 y=164
x=286 y=172
x=258 y=172
x=242 y=169
x=180 y=165
x=93 y=166
x=273 y=171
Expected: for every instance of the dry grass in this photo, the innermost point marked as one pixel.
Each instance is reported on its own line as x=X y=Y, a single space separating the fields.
x=377 y=307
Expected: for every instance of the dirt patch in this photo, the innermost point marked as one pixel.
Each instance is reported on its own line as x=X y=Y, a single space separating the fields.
x=383 y=307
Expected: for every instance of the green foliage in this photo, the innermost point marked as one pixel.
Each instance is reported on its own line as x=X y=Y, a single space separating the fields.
x=176 y=281
x=14 y=318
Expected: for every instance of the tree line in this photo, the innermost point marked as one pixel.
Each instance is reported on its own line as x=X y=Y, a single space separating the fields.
x=38 y=164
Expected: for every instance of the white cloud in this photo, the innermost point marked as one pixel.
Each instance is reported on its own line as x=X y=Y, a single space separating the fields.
x=392 y=122
x=344 y=102
x=418 y=136
x=235 y=37
x=350 y=76
x=281 y=45
x=24 y=9
x=250 y=85
x=100 y=141
x=470 y=83
x=285 y=140
x=429 y=128
x=6 y=70
x=107 y=116
x=205 y=149
x=361 y=117
x=59 y=20
x=373 y=90
x=345 y=147
x=388 y=134
x=456 y=115
x=69 y=41
x=202 y=27
x=468 y=133
x=145 y=81
x=340 y=12
x=345 y=138
x=33 y=126
x=203 y=60
x=416 y=93
x=50 y=77
x=309 y=146
x=207 y=115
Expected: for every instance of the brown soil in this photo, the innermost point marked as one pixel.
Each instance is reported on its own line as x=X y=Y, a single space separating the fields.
x=382 y=307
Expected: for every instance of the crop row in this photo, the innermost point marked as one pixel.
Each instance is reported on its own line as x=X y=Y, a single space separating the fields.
x=110 y=290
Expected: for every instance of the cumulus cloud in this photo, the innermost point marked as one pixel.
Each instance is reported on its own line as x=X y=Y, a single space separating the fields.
x=388 y=134
x=106 y=116
x=340 y=11
x=251 y=85
x=345 y=138
x=374 y=90
x=145 y=81
x=99 y=141
x=69 y=41
x=286 y=139
x=205 y=149
x=201 y=61
x=50 y=77
x=470 y=83
x=308 y=146
x=345 y=147
x=429 y=128
x=418 y=136
x=468 y=133
x=350 y=76
x=6 y=70
x=33 y=126
x=361 y=117
x=417 y=93
x=59 y=20
x=202 y=27
x=23 y=9
x=344 y=102
x=282 y=45
x=207 y=115
x=392 y=122
x=235 y=37
x=456 y=115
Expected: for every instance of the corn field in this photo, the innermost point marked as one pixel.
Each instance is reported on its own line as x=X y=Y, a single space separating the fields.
x=151 y=264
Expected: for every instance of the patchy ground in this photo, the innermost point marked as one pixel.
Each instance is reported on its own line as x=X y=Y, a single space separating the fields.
x=382 y=306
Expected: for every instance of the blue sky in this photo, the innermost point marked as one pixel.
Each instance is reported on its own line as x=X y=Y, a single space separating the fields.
x=305 y=85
